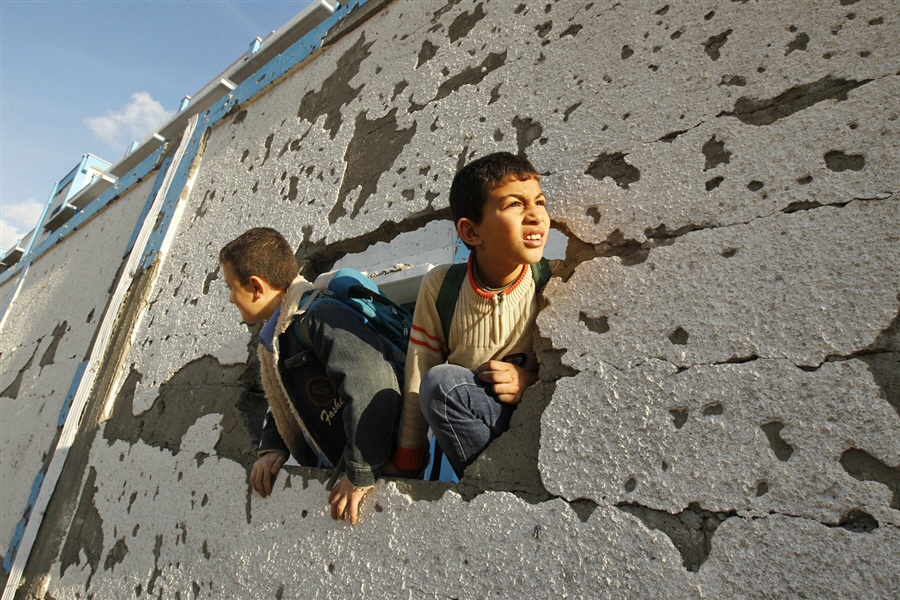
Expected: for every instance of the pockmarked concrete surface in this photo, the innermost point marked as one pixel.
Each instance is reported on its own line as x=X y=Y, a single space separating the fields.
x=718 y=410
x=47 y=337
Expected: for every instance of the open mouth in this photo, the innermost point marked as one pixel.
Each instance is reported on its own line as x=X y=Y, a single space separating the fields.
x=535 y=238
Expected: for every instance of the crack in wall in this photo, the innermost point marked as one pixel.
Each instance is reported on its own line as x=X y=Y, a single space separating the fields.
x=633 y=252
x=690 y=531
x=315 y=257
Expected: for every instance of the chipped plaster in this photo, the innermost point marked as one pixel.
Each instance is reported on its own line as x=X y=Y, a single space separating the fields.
x=717 y=413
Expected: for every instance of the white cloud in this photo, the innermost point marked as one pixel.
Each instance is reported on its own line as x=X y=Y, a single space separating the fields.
x=18 y=219
x=132 y=122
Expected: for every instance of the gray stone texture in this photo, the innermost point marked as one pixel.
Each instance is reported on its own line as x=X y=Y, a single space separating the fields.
x=718 y=413
x=45 y=339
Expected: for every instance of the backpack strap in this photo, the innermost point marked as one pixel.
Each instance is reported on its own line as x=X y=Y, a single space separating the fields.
x=448 y=295
x=541 y=272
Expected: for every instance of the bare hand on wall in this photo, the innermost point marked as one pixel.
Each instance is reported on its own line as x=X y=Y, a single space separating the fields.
x=264 y=470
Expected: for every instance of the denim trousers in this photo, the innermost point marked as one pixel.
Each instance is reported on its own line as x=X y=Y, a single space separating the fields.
x=356 y=359
x=462 y=412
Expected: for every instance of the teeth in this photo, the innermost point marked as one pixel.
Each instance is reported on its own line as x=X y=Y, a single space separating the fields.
x=533 y=236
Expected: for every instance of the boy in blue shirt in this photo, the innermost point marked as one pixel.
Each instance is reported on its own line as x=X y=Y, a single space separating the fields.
x=352 y=412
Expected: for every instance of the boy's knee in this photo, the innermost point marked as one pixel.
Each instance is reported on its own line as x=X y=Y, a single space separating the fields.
x=438 y=384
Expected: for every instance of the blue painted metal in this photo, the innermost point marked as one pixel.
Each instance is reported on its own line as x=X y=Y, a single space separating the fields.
x=123 y=184
x=255 y=45
x=19 y=266
x=76 y=180
x=22 y=266
x=284 y=62
x=253 y=85
x=20 y=526
x=160 y=177
x=170 y=203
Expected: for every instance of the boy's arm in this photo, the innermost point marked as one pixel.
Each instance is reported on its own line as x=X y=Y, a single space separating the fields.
x=427 y=348
x=271 y=440
x=272 y=452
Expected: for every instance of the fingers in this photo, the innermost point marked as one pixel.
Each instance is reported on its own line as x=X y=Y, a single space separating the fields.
x=495 y=366
x=260 y=480
x=254 y=479
x=338 y=506
x=267 y=481
x=344 y=500
x=264 y=470
x=353 y=509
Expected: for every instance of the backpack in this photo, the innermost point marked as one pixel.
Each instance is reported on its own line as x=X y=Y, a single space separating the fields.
x=311 y=391
x=390 y=320
x=446 y=304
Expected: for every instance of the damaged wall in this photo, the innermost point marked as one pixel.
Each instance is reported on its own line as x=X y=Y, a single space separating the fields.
x=718 y=408
x=46 y=344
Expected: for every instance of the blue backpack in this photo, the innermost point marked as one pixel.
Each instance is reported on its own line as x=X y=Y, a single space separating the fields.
x=390 y=320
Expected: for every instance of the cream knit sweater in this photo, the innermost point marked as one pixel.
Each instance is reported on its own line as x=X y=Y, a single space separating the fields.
x=485 y=326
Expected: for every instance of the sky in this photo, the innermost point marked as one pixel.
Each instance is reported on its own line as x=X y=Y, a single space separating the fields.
x=91 y=76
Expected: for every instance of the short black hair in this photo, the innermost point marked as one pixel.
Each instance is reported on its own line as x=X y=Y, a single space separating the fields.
x=262 y=252
x=474 y=182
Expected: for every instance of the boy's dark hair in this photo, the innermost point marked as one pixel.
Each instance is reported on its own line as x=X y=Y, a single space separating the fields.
x=474 y=182
x=263 y=252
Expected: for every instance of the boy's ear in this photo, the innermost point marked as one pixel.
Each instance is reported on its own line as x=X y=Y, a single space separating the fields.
x=468 y=232
x=259 y=286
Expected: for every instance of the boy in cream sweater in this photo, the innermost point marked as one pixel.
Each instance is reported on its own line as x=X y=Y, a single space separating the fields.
x=466 y=387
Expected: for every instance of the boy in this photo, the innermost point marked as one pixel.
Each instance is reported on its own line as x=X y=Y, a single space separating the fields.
x=501 y=216
x=262 y=273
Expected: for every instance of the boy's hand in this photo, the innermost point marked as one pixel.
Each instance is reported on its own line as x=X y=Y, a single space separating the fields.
x=345 y=499
x=264 y=471
x=509 y=381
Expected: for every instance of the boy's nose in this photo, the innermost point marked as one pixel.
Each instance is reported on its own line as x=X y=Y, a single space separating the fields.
x=535 y=214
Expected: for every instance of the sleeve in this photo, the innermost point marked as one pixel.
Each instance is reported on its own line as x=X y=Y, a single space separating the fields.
x=427 y=348
x=270 y=440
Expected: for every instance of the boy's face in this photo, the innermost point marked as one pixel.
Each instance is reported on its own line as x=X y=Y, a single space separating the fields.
x=514 y=226
x=243 y=295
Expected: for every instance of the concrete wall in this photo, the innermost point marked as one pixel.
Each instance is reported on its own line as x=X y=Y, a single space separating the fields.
x=718 y=410
x=46 y=341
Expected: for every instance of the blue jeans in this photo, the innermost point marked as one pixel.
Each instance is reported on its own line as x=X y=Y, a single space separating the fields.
x=356 y=359
x=462 y=412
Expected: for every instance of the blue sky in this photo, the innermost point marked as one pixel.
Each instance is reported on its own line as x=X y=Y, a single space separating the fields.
x=80 y=77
